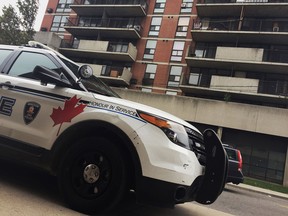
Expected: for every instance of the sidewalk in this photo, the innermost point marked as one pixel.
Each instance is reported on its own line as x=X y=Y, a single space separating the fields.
x=260 y=190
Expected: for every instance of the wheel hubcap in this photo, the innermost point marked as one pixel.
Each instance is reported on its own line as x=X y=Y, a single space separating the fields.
x=91 y=173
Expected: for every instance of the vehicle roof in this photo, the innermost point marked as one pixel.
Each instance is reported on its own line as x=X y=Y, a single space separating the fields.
x=26 y=47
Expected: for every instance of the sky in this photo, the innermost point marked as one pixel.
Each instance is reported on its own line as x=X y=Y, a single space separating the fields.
x=40 y=14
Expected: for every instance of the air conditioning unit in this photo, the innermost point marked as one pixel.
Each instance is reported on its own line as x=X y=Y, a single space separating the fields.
x=183 y=5
x=275 y=29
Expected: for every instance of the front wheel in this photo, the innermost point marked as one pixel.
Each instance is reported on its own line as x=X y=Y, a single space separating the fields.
x=92 y=175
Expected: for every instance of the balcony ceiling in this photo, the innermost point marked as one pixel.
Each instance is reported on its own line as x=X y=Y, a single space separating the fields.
x=267 y=10
x=80 y=32
x=111 y=56
x=216 y=36
x=208 y=92
x=111 y=10
x=265 y=67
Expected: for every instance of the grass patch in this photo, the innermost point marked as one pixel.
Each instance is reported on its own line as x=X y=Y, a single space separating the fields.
x=266 y=185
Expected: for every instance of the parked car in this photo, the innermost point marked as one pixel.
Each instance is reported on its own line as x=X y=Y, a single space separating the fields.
x=58 y=116
x=235 y=174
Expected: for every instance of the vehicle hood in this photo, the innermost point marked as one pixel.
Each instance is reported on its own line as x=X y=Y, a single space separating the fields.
x=151 y=110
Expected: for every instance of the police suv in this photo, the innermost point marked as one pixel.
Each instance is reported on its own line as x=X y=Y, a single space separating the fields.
x=56 y=115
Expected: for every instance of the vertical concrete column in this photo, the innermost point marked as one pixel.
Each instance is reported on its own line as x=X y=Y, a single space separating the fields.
x=285 y=178
x=219 y=132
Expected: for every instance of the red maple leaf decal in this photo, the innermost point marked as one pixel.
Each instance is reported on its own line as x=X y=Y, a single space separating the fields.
x=70 y=111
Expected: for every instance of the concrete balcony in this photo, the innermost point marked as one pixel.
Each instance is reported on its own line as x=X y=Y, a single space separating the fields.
x=91 y=27
x=234 y=84
x=114 y=8
x=112 y=76
x=240 y=59
x=248 y=30
x=226 y=88
x=251 y=8
x=245 y=117
x=105 y=50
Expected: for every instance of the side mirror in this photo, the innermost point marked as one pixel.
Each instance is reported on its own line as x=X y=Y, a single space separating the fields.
x=85 y=71
x=46 y=75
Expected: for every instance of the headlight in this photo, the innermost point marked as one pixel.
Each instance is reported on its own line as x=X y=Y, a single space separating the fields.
x=174 y=131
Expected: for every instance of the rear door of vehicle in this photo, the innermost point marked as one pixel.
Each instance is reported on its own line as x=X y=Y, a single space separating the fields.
x=233 y=162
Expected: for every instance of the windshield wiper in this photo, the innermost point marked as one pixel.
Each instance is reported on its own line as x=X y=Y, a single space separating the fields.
x=99 y=92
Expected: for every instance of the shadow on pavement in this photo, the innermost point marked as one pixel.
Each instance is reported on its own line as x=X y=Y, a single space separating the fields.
x=43 y=186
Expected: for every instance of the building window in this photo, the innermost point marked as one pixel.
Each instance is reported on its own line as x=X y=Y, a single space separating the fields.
x=171 y=92
x=177 y=51
x=186 y=6
x=182 y=27
x=174 y=76
x=159 y=6
x=194 y=79
x=64 y=6
x=149 y=74
x=155 y=26
x=150 y=49
x=146 y=89
x=58 y=23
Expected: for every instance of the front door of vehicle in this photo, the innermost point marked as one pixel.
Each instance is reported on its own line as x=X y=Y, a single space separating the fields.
x=215 y=171
x=26 y=104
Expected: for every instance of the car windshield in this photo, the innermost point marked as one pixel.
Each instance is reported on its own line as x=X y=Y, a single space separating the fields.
x=92 y=84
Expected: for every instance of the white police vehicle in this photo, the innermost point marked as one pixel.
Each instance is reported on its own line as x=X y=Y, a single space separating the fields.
x=58 y=116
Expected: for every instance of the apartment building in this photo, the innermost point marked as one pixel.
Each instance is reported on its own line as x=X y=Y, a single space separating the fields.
x=216 y=63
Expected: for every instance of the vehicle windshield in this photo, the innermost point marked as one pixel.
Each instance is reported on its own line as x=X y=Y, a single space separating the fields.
x=92 y=84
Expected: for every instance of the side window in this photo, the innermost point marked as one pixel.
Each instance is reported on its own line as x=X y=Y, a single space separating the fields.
x=231 y=154
x=27 y=61
x=3 y=54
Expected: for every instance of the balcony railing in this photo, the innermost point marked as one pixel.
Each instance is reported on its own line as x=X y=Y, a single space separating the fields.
x=112 y=46
x=247 y=24
x=115 y=76
x=112 y=71
x=108 y=23
x=240 y=1
x=110 y=2
x=276 y=87
x=273 y=87
x=269 y=55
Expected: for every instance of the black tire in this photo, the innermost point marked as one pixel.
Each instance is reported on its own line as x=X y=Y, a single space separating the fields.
x=92 y=176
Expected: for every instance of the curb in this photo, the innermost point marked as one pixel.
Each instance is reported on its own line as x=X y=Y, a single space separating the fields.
x=260 y=190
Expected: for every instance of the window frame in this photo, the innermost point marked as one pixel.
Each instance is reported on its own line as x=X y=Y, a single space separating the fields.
x=150 y=49
x=155 y=26
x=177 y=53
x=159 y=6
x=175 y=74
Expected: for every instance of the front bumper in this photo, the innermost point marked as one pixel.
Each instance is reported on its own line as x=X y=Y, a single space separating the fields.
x=204 y=189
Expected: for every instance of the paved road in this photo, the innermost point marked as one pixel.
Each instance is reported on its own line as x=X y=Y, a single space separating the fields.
x=25 y=191
x=237 y=201
x=29 y=192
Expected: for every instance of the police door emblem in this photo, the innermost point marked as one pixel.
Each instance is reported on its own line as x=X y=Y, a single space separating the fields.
x=31 y=110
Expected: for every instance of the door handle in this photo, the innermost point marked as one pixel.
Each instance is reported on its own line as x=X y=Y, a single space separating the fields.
x=6 y=85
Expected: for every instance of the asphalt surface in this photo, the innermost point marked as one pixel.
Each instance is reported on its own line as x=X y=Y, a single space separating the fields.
x=28 y=192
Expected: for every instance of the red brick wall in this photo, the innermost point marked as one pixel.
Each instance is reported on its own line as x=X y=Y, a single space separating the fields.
x=165 y=41
x=48 y=17
x=172 y=7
